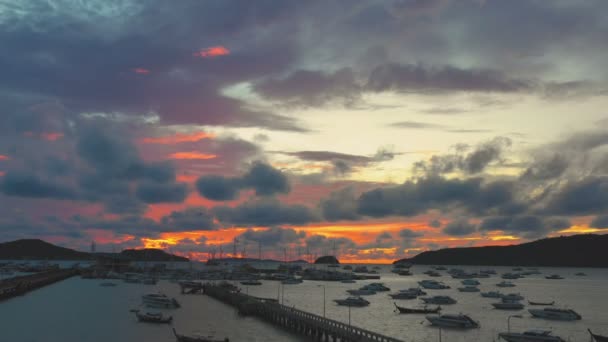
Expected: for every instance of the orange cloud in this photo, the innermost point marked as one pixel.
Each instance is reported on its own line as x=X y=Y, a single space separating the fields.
x=51 y=136
x=141 y=71
x=192 y=155
x=3 y=157
x=178 y=138
x=186 y=178
x=213 y=51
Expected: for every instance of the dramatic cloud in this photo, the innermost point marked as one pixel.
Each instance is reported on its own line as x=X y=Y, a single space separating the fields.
x=198 y=218
x=272 y=236
x=340 y=205
x=264 y=213
x=599 y=222
x=262 y=178
x=28 y=185
x=459 y=227
x=530 y=226
x=409 y=234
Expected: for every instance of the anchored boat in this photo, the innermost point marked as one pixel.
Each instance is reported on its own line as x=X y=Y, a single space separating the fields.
x=598 y=338
x=184 y=338
x=530 y=336
x=150 y=317
x=453 y=321
x=556 y=314
x=424 y=310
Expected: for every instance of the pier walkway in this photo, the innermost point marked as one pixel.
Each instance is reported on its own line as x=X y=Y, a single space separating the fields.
x=301 y=322
x=18 y=286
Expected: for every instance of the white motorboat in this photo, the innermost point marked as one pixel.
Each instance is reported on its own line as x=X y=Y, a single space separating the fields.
x=440 y=300
x=468 y=289
x=453 y=321
x=512 y=297
x=492 y=294
x=376 y=287
x=530 y=336
x=505 y=284
x=159 y=300
x=556 y=314
x=433 y=284
x=508 y=305
x=361 y=292
x=470 y=282
x=352 y=301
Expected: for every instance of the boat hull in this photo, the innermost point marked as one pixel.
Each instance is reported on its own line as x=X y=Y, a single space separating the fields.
x=512 y=337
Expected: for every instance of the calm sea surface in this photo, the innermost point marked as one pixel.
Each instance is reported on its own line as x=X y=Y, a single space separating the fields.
x=78 y=310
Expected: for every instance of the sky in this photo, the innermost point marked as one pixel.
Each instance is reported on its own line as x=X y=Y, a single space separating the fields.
x=374 y=130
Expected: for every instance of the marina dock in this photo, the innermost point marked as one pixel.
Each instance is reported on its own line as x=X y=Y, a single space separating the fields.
x=316 y=327
x=21 y=285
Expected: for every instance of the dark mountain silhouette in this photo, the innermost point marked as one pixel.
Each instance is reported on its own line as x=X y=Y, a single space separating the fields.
x=588 y=250
x=35 y=249
x=38 y=249
x=150 y=254
x=327 y=259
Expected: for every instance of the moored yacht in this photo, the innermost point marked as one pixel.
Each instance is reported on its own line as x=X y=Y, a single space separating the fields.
x=491 y=294
x=512 y=297
x=352 y=301
x=505 y=284
x=377 y=287
x=453 y=321
x=403 y=295
x=554 y=276
x=530 y=336
x=361 y=292
x=556 y=314
x=508 y=305
x=470 y=282
x=468 y=289
x=415 y=290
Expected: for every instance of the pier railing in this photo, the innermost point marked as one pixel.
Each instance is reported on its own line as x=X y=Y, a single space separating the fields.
x=304 y=323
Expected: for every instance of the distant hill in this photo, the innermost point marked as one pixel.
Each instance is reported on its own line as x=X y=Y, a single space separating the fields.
x=151 y=254
x=327 y=259
x=38 y=249
x=588 y=250
x=35 y=249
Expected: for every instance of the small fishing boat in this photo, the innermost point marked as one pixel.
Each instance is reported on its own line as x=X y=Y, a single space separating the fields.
x=352 y=301
x=453 y=321
x=541 y=303
x=348 y=281
x=530 y=336
x=556 y=314
x=424 y=310
x=184 y=338
x=150 y=317
x=598 y=338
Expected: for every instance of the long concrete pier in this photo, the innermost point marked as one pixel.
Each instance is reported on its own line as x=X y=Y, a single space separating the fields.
x=18 y=286
x=316 y=327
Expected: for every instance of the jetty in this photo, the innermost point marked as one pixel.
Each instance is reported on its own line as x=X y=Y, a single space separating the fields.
x=316 y=327
x=18 y=286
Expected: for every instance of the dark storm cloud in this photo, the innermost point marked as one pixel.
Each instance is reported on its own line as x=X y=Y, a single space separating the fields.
x=587 y=196
x=311 y=88
x=416 y=197
x=262 y=178
x=194 y=218
x=419 y=78
x=546 y=168
x=526 y=225
x=599 y=222
x=150 y=192
x=29 y=185
x=273 y=236
x=435 y=223
x=459 y=227
x=180 y=87
x=340 y=205
x=475 y=161
x=218 y=188
x=264 y=213
x=409 y=234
